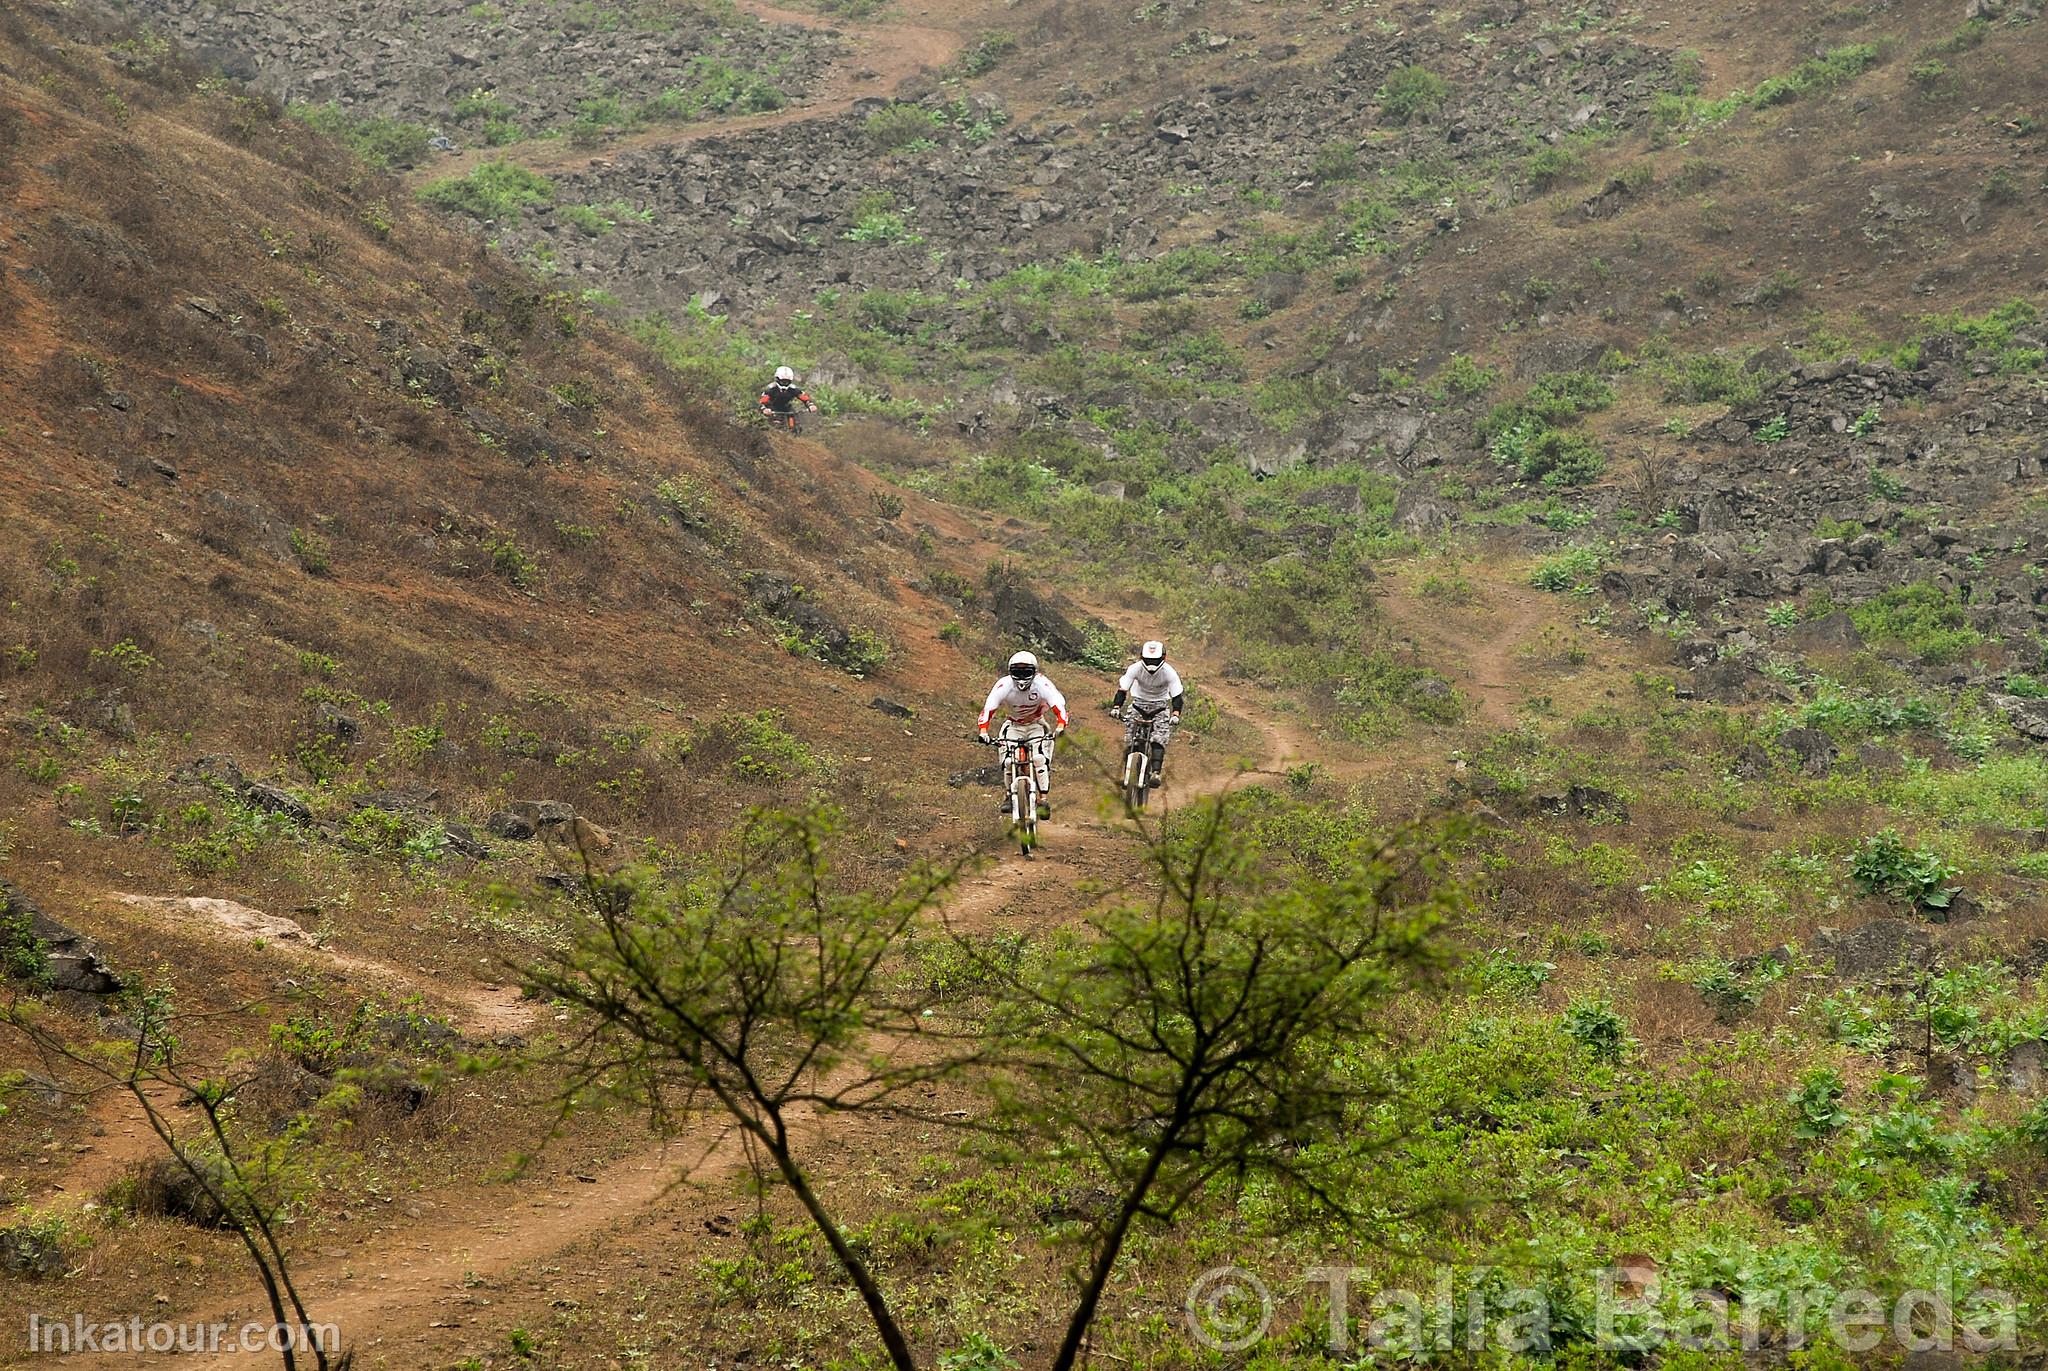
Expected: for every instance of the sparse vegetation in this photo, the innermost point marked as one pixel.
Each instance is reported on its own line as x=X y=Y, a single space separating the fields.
x=494 y=191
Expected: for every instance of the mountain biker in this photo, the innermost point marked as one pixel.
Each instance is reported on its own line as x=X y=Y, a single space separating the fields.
x=783 y=395
x=1025 y=697
x=1156 y=696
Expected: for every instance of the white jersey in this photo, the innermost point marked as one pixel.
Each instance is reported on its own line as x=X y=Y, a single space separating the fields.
x=1150 y=687
x=1027 y=704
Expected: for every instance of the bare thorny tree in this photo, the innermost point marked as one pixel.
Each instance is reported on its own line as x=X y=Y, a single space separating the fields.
x=248 y=1184
x=1232 y=1023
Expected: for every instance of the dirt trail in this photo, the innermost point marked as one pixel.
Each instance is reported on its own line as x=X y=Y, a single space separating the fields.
x=386 y=1298
x=1478 y=647
x=877 y=60
x=422 y=1278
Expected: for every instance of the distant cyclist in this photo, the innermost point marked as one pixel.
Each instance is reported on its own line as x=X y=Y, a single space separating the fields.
x=1034 y=712
x=783 y=395
x=1156 y=696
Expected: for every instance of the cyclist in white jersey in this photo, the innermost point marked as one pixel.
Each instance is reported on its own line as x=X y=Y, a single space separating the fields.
x=1032 y=711
x=1155 y=696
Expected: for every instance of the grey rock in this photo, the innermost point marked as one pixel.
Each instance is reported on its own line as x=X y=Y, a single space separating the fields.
x=339 y=726
x=214 y=771
x=1420 y=514
x=1833 y=632
x=514 y=827
x=1878 y=949
x=278 y=801
x=71 y=961
x=892 y=708
x=2026 y=1068
x=1814 y=749
x=27 y=1252
x=1028 y=617
x=542 y=813
x=2030 y=717
x=464 y=842
x=415 y=799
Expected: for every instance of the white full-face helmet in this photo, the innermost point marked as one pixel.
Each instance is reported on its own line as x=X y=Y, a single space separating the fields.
x=1152 y=655
x=785 y=374
x=1023 y=668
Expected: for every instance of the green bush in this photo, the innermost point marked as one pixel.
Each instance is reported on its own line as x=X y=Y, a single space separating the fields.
x=1412 y=91
x=712 y=87
x=898 y=126
x=494 y=190
x=1570 y=569
x=752 y=747
x=1883 y=864
x=1920 y=618
x=1557 y=458
x=1593 y=1024
x=386 y=144
x=981 y=59
x=1818 y=1103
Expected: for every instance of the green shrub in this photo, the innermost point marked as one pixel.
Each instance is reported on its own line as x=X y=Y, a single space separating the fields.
x=1818 y=1103
x=1570 y=569
x=512 y=562
x=1461 y=378
x=1883 y=864
x=386 y=144
x=899 y=126
x=752 y=747
x=1335 y=161
x=1412 y=91
x=1921 y=618
x=981 y=59
x=494 y=190
x=1593 y=1024
x=1557 y=458
x=712 y=87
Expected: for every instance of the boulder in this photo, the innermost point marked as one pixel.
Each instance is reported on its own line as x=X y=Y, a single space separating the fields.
x=215 y=771
x=1026 y=616
x=782 y=598
x=1420 y=514
x=2028 y=716
x=1585 y=802
x=278 y=801
x=883 y=704
x=1878 y=949
x=62 y=958
x=514 y=827
x=1831 y=633
x=1814 y=749
x=28 y=1251
x=464 y=842
x=404 y=799
x=540 y=814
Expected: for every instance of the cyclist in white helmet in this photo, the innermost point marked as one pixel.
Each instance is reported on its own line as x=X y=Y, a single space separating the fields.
x=1033 y=711
x=1155 y=697
x=783 y=395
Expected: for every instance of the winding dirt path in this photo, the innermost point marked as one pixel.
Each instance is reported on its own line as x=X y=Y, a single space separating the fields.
x=876 y=62
x=390 y=1298
x=386 y=1298
x=1478 y=646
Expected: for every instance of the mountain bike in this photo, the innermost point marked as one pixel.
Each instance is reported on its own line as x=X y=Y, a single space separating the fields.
x=1142 y=757
x=1020 y=783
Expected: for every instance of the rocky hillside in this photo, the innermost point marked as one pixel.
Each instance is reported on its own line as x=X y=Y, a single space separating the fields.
x=1619 y=425
x=392 y=77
